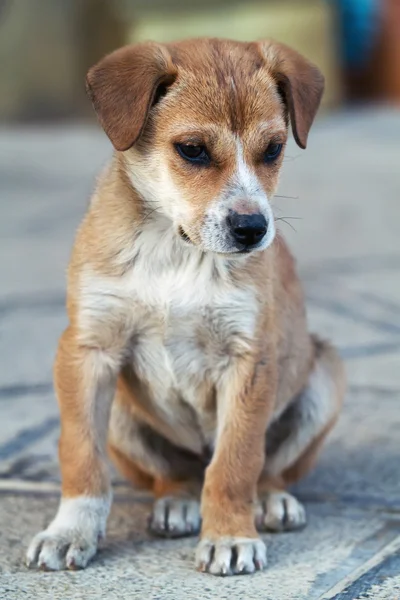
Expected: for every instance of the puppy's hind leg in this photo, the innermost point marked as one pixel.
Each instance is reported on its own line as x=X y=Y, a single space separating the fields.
x=296 y=438
x=151 y=461
x=176 y=510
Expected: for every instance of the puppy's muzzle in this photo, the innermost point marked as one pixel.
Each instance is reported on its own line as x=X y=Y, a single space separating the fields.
x=247 y=230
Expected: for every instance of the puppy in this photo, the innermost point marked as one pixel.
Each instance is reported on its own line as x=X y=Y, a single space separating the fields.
x=187 y=351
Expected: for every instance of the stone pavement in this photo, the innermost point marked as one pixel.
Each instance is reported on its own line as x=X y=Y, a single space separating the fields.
x=346 y=189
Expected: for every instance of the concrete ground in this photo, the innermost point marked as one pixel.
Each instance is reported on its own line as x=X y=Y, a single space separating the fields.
x=346 y=189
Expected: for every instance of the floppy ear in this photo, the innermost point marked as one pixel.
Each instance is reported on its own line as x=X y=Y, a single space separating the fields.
x=123 y=87
x=300 y=83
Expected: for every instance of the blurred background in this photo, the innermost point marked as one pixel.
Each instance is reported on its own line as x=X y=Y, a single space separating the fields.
x=46 y=46
x=339 y=202
x=340 y=208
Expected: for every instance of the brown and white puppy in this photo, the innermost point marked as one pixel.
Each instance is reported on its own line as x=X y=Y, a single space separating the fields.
x=187 y=348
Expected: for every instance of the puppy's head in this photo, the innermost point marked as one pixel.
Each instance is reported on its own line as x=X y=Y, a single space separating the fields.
x=202 y=126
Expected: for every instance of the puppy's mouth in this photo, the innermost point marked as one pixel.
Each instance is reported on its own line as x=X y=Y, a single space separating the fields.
x=245 y=250
x=184 y=236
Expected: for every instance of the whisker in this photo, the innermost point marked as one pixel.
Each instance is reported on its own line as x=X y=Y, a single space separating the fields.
x=290 y=197
x=287 y=223
x=149 y=214
x=274 y=207
x=291 y=158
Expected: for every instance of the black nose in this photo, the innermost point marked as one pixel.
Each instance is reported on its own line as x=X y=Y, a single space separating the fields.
x=247 y=229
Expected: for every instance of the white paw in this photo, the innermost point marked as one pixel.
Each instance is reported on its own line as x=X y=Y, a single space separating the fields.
x=71 y=539
x=279 y=511
x=175 y=517
x=231 y=556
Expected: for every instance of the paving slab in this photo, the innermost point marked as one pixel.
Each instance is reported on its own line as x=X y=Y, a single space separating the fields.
x=337 y=542
x=346 y=240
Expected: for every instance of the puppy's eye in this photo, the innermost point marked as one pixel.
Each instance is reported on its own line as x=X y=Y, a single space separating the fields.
x=272 y=152
x=193 y=153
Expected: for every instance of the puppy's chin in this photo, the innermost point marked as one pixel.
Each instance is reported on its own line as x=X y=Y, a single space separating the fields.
x=237 y=253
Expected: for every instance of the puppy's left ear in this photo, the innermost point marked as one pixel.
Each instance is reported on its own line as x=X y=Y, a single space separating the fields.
x=300 y=83
x=124 y=86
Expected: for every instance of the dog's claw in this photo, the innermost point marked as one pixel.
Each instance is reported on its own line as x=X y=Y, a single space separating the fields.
x=219 y=556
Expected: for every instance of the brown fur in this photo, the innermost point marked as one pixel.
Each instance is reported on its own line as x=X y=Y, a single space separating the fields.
x=213 y=92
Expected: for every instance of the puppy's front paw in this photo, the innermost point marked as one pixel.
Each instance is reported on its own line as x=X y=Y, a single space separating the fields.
x=231 y=556
x=280 y=511
x=61 y=549
x=71 y=539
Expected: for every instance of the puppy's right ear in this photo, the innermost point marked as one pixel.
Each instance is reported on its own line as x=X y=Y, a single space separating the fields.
x=123 y=88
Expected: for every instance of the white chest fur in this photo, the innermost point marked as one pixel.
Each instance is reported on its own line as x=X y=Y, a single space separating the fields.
x=187 y=322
